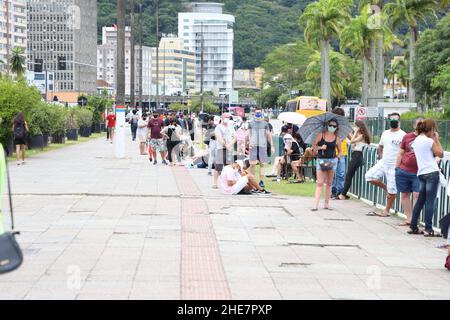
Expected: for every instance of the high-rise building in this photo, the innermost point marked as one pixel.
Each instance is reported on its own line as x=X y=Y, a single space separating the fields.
x=13 y=28
x=176 y=67
x=106 y=59
x=62 y=38
x=206 y=29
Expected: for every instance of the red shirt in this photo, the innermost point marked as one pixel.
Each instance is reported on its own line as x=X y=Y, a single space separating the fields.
x=155 y=126
x=409 y=162
x=111 y=118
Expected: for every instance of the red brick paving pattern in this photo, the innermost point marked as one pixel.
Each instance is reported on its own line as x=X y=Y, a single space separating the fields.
x=202 y=273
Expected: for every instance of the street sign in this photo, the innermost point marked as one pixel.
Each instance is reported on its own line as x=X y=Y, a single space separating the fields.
x=372 y=112
x=361 y=113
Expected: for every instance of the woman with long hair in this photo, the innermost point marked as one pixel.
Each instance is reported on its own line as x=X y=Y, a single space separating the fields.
x=325 y=146
x=426 y=148
x=360 y=139
x=20 y=129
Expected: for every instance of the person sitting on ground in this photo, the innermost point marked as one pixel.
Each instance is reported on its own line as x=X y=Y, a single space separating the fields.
x=253 y=184
x=231 y=181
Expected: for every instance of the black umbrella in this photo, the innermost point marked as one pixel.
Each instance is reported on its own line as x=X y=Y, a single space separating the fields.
x=318 y=124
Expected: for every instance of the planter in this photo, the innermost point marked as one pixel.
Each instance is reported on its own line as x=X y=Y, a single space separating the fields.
x=85 y=132
x=58 y=139
x=36 y=142
x=45 y=139
x=72 y=134
x=96 y=128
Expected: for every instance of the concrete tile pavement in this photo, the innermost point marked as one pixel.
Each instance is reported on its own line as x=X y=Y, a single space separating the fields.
x=94 y=227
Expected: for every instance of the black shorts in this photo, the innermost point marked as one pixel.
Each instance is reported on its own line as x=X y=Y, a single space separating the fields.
x=223 y=158
x=20 y=141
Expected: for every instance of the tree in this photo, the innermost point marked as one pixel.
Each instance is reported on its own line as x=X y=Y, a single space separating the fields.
x=269 y=98
x=286 y=65
x=324 y=21
x=432 y=52
x=208 y=106
x=17 y=61
x=411 y=11
x=120 y=69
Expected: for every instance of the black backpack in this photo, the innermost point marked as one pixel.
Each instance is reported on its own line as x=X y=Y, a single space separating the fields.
x=19 y=131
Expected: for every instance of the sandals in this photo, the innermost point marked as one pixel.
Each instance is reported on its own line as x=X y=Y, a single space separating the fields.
x=404 y=224
x=342 y=197
x=431 y=234
x=376 y=214
x=314 y=210
x=415 y=231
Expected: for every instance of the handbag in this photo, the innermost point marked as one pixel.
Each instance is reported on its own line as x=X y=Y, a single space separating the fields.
x=11 y=256
x=326 y=165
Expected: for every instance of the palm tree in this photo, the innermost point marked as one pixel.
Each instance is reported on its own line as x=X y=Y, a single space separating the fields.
x=357 y=37
x=401 y=70
x=411 y=11
x=324 y=21
x=120 y=95
x=17 y=61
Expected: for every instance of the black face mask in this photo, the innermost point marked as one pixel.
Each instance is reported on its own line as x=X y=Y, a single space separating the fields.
x=155 y=116
x=395 y=124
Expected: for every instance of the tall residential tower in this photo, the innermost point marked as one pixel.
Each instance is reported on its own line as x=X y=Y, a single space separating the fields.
x=205 y=28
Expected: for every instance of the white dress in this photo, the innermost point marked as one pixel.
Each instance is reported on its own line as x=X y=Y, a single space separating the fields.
x=142 y=130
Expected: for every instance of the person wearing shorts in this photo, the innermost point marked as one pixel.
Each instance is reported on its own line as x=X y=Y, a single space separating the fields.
x=406 y=173
x=388 y=150
x=155 y=126
x=225 y=140
x=260 y=137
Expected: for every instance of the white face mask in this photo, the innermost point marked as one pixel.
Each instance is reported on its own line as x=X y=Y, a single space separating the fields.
x=226 y=121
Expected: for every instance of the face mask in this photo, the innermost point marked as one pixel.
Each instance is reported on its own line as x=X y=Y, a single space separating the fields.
x=259 y=116
x=332 y=129
x=395 y=124
x=226 y=121
x=155 y=117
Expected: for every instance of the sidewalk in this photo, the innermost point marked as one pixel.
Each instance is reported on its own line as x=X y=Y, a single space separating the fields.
x=94 y=227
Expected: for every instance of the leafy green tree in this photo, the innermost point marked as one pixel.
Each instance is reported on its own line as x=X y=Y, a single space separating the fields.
x=98 y=104
x=269 y=98
x=324 y=21
x=286 y=65
x=411 y=11
x=17 y=61
x=208 y=106
x=176 y=107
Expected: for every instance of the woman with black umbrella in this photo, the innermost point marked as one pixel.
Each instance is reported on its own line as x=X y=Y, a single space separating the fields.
x=325 y=144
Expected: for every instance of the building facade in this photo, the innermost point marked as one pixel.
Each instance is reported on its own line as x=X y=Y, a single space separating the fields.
x=176 y=67
x=13 y=28
x=206 y=29
x=106 y=60
x=62 y=38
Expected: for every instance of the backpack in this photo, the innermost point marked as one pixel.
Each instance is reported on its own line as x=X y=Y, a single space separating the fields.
x=19 y=131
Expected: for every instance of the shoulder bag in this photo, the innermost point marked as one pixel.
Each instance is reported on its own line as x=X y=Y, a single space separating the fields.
x=11 y=256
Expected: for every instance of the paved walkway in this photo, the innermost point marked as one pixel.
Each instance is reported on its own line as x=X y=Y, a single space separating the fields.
x=94 y=227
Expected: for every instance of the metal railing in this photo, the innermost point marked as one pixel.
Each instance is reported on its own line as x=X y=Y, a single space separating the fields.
x=368 y=192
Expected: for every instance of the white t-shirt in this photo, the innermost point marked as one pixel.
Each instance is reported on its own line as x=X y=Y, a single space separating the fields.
x=227 y=133
x=391 y=146
x=228 y=174
x=424 y=154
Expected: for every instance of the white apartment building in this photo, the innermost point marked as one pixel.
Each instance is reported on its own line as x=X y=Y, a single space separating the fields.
x=62 y=37
x=106 y=61
x=205 y=22
x=13 y=26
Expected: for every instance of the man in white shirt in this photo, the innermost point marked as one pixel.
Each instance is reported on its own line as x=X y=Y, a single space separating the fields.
x=225 y=139
x=231 y=180
x=388 y=149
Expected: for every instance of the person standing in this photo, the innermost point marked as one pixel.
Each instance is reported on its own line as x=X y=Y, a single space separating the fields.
x=225 y=140
x=210 y=141
x=339 y=179
x=325 y=146
x=388 y=149
x=20 y=130
x=406 y=173
x=426 y=148
x=360 y=139
x=111 y=119
x=173 y=134
x=155 y=126
x=142 y=133
x=260 y=137
x=134 y=123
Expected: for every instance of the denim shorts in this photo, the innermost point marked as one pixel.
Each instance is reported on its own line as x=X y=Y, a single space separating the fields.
x=334 y=161
x=407 y=182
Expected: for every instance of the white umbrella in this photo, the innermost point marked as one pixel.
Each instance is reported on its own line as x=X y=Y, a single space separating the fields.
x=292 y=117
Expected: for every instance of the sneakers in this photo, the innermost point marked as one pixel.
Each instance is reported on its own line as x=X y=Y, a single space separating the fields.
x=19 y=163
x=155 y=162
x=261 y=184
x=164 y=162
x=447 y=263
x=209 y=173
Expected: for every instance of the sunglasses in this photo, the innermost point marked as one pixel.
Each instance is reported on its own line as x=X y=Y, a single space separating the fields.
x=332 y=126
